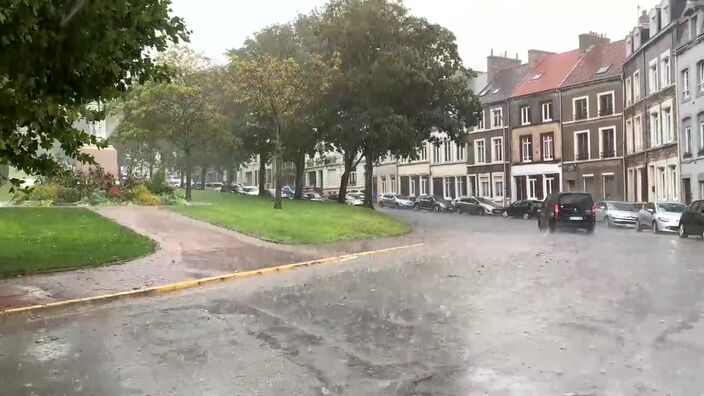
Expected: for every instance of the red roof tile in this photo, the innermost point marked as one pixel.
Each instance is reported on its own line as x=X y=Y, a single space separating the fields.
x=612 y=55
x=552 y=69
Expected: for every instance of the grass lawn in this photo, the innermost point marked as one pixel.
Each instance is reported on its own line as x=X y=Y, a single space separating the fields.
x=299 y=222
x=36 y=240
x=5 y=195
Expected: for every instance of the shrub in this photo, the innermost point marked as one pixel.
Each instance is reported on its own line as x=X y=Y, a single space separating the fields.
x=135 y=190
x=69 y=195
x=114 y=193
x=44 y=192
x=98 y=198
x=172 y=200
x=158 y=183
x=46 y=203
x=19 y=197
x=146 y=198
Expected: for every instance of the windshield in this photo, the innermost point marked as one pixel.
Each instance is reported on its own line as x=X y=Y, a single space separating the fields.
x=624 y=206
x=439 y=198
x=671 y=207
x=404 y=197
x=487 y=201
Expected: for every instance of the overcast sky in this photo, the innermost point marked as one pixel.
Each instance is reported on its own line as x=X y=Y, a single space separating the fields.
x=513 y=26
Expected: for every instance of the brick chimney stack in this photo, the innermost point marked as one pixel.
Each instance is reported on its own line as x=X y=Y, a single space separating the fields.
x=535 y=56
x=592 y=39
x=644 y=20
x=496 y=63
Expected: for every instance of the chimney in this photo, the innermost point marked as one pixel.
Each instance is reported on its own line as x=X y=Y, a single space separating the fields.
x=494 y=64
x=535 y=56
x=592 y=39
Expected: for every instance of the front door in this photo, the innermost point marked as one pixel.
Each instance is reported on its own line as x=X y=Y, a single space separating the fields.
x=687 y=188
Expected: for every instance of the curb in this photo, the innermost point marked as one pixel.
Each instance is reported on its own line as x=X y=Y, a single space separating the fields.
x=168 y=288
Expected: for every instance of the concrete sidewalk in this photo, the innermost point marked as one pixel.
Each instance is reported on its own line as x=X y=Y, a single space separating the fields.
x=188 y=249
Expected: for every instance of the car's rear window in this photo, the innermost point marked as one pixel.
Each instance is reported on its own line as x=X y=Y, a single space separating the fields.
x=672 y=207
x=622 y=206
x=581 y=201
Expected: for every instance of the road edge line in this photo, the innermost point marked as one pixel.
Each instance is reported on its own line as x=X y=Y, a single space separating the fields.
x=193 y=283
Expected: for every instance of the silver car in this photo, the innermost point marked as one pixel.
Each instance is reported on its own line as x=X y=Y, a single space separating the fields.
x=660 y=216
x=614 y=213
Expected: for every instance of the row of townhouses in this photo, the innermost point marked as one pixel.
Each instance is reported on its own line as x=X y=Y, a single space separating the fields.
x=622 y=120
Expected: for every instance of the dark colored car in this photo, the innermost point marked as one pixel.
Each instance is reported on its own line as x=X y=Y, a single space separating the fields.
x=523 y=209
x=434 y=203
x=332 y=197
x=692 y=220
x=569 y=211
x=469 y=205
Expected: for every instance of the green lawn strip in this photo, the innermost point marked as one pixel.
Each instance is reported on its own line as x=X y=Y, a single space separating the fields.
x=299 y=222
x=35 y=240
x=5 y=195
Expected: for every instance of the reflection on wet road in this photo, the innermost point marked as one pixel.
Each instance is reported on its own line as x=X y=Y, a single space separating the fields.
x=487 y=306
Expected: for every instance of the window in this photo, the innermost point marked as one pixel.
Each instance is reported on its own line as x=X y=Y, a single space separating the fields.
x=423 y=185
x=580 y=108
x=606 y=104
x=700 y=76
x=701 y=138
x=448 y=187
x=549 y=185
x=527 y=148
x=353 y=179
x=674 y=183
x=603 y=69
x=424 y=152
x=666 y=78
x=461 y=148
x=525 y=115
x=532 y=188
x=638 y=133
x=547 y=111
x=629 y=135
x=480 y=121
x=497 y=154
x=548 y=147
x=688 y=140
x=653 y=77
x=461 y=186
x=498 y=179
x=655 y=130
x=448 y=151
x=685 y=83
x=497 y=118
x=383 y=184
x=667 y=134
x=484 y=186
x=662 y=179
x=436 y=152
x=393 y=184
x=581 y=145
x=537 y=76
x=636 y=86
x=479 y=152
x=588 y=182
x=629 y=91
x=607 y=141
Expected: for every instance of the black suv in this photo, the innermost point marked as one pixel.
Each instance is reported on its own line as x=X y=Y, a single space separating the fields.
x=692 y=220
x=436 y=204
x=568 y=210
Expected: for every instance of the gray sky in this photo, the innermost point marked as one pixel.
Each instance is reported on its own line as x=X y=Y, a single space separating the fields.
x=514 y=26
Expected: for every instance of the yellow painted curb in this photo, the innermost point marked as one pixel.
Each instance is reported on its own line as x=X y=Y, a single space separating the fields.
x=198 y=282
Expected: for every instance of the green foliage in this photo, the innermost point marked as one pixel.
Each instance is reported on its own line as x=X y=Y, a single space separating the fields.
x=172 y=200
x=98 y=198
x=86 y=52
x=69 y=195
x=19 y=197
x=147 y=198
x=44 y=192
x=158 y=184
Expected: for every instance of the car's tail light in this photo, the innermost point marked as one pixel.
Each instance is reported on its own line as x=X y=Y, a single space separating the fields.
x=593 y=210
x=556 y=209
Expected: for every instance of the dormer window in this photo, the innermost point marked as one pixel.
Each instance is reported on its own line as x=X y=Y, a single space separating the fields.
x=603 y=70
x=654 y=27
x=537 y=76
x=665 y=15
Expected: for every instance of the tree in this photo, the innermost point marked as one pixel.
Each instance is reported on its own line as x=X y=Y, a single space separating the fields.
x=401 y=79
x=183 y=112
x=58 y=56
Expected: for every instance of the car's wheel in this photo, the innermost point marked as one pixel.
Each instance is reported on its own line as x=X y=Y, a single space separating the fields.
x=683 y=232
x=459 y=211
x=607 y=222
x=590 y=229
x=397 y=206
x=639 y=227
x=526 y=216
x=656 y=229
x=504 y=214
x=436 y=208
x=416 y=207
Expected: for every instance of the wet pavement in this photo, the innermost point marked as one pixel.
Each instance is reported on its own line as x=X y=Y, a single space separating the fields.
x=486 y=306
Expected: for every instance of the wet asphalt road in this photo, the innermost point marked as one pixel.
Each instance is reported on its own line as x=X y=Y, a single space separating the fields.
x=487 y=306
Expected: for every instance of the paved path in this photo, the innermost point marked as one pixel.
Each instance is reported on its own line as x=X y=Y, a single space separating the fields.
x=189 y=249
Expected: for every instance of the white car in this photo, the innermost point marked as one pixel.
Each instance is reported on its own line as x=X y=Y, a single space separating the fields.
x=214 y=186
x=250 y=190
x=660 y=216
x=353 y=200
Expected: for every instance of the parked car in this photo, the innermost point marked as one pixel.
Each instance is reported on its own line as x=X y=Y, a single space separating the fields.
x=614 y=213
x=434 y=203
x=213 y=186
x=250 y=190
x=315 y=197
x=692 y=220
x=660 y=216
x=356 y=192
x=288 y=192
x=332 y=197
x=568 y=210
x=490 y=207
x=395 y=201
x=525 y=209
x=353 y=200
x=469 y=205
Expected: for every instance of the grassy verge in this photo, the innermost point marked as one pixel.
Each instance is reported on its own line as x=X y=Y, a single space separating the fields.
x=5 y=195
x=37 y=240
x=297 y=223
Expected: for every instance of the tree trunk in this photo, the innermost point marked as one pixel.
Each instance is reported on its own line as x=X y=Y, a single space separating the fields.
x=368 y=170
x=203 y=172
x=278 y=167
x=300 y=175
x=348 y=159
x=262 y=173
x=182 y=174
x=229 y=176
x=189 y=179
